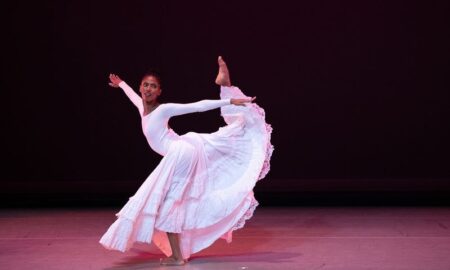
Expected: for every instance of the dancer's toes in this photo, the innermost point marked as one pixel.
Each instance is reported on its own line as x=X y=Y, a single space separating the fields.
x=223 y=77
x=221 y=62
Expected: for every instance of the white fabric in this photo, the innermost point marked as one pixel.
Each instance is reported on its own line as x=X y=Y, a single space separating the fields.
x=203 y=186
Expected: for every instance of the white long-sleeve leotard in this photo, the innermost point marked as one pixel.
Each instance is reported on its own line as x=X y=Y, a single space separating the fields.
x=155 y=124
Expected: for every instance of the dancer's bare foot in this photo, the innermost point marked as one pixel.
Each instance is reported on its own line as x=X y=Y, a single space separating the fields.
x=223 y=77
x=172 y=261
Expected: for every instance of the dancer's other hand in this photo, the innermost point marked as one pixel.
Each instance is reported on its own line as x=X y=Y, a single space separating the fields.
x=115 y=80
x=241 y=101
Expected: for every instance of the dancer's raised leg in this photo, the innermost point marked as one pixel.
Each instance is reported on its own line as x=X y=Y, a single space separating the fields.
x=223 y=76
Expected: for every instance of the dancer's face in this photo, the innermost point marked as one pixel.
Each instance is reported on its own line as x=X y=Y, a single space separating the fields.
x=150 y=88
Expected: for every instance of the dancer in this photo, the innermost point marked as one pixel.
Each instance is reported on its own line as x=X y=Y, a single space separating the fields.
x=202 y=189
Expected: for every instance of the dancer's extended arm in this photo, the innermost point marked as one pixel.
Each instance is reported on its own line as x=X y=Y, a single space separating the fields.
x=135 y=98
x=173 y=109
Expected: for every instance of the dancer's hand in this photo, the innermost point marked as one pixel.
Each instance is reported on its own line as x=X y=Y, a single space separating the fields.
x=241 y=101
x=115 y=80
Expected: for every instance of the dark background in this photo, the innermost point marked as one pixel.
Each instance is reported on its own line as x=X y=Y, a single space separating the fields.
x=357 y=93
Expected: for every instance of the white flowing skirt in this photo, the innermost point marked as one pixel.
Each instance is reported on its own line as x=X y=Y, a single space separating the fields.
x=202 y=188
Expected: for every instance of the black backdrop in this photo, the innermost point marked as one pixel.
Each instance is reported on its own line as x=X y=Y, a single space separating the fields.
x=357 y=92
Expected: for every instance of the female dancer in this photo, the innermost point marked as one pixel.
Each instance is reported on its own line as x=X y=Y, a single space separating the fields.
x=202 y=189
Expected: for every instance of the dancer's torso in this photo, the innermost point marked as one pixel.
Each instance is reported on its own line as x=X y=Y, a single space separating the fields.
x=155 y=127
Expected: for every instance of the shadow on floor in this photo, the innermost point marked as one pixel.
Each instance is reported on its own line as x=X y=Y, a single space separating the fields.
x=145 y=260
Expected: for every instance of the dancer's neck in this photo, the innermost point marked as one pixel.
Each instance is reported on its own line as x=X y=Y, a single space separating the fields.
x=150 y=106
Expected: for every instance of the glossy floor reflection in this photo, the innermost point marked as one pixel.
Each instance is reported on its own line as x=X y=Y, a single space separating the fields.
x=275 y=238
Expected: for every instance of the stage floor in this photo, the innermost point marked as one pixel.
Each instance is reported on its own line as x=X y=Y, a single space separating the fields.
x=343 y=238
